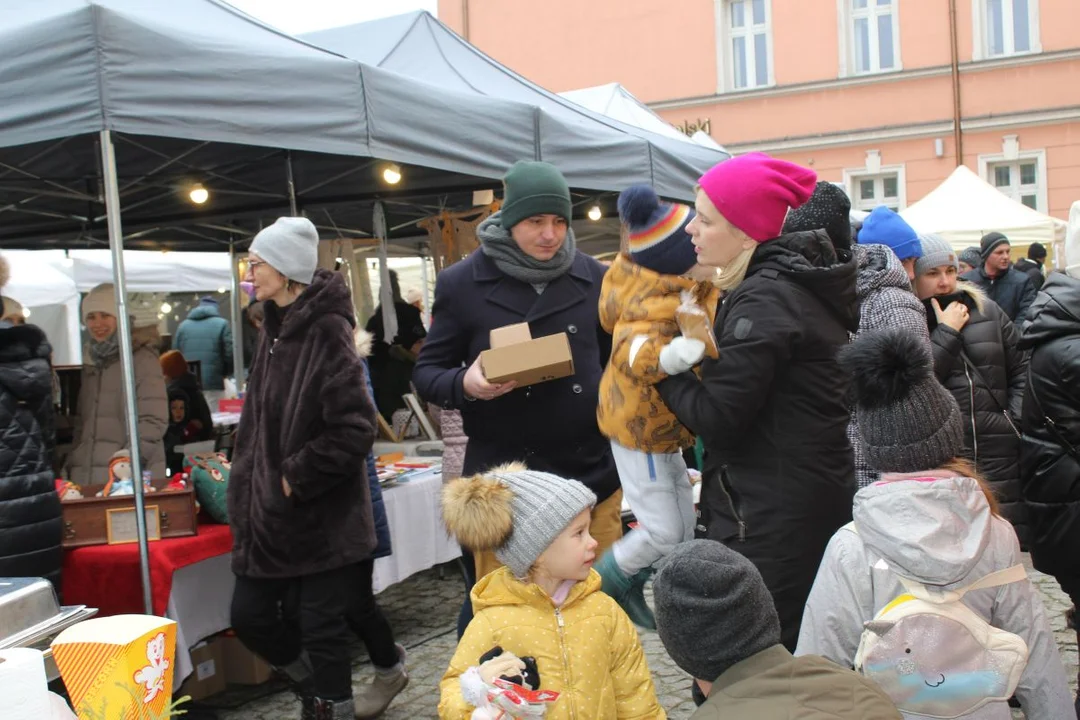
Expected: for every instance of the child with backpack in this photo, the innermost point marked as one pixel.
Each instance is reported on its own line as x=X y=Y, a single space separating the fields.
x=541 y=624
x=925 y=592
x=659 y=307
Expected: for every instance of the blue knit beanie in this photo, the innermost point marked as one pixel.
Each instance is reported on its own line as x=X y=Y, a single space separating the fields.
x=884 y=227
x=658 y=238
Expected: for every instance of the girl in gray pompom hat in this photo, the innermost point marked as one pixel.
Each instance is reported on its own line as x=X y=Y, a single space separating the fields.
x=545 y=603
x=930 y=522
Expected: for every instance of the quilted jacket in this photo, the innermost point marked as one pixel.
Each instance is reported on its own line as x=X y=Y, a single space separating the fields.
x=206 y=336
x=586 y=649
x=636 y=302
x=30 y=524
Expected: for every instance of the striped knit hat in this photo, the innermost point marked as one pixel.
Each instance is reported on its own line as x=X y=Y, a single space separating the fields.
x=658 y=238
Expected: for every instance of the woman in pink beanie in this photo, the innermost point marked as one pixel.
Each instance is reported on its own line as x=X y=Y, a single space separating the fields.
x=779 y=475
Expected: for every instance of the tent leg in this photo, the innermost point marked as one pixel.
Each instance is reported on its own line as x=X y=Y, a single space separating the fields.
x=116 y=245
x=291 y=186
x=237 y=319
x=425 y=289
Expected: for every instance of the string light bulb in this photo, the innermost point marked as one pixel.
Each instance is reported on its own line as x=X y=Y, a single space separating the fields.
x=392 y=174
x=595 y=213
x=166 y=308
x=199 y=194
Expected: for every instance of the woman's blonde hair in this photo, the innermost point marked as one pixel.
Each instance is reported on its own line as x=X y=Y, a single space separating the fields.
x=963 y=466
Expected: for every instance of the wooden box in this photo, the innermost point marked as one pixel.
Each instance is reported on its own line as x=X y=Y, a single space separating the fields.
x=111 y=520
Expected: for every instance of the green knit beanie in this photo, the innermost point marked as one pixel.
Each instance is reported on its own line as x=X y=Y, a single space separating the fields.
x=534 y=188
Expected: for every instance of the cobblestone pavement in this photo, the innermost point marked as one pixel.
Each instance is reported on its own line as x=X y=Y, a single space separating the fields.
x=423 y=611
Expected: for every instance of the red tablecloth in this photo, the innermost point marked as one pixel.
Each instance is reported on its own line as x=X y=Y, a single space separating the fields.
x=107 y=576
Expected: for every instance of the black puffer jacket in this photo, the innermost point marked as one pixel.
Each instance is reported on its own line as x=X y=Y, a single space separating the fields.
x=991 y=343
x=779 y=474
x=1012 y=290
x=30 y=523
x=1048 y=471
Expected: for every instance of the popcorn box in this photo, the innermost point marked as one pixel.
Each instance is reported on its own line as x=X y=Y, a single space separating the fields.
x=118 y=667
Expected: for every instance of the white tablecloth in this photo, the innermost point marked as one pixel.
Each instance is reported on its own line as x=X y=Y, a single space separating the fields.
x=201 y=593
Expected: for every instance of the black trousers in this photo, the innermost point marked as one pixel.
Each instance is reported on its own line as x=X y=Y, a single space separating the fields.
x=279 y=618
x=366 y=619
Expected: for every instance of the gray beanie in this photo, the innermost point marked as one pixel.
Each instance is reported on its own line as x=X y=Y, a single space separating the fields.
x=971 y=256
x=514 y=511
x=936 y=251
x=907 y=421
x=712 y=608
x=290 y=246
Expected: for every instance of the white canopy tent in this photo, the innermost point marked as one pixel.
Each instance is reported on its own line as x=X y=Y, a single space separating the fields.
x=49 y=283
x=618 y=103
x=965 y=207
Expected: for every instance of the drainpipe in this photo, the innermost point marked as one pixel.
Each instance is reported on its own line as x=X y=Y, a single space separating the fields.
x=958 y=136
x=465 y=19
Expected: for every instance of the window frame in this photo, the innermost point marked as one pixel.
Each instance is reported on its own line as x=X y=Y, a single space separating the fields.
x=853 y=176
x=846 y=15
x=987 y=163
x=725 y=56
x=981 y=43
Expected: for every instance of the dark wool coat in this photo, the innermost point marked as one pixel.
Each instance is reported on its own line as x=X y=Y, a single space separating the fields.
x=550 y=426
x=30 y=523
x=991 y=343
x=1048 y=471
x=1033 y=270
x=383 y=546
x=307 y=418
x=1012 y=291
x=779 y=474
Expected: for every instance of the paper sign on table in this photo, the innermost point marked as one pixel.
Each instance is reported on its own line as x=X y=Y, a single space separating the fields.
x=121 y=666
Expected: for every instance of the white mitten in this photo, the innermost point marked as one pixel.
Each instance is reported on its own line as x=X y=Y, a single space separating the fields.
x=681 y=354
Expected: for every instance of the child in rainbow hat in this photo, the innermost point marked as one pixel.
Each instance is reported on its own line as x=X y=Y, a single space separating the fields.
x=638 y=301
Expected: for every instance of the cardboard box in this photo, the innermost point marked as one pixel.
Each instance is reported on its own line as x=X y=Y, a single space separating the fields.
x=208 y=677
x=515 y=355
x=242 y=667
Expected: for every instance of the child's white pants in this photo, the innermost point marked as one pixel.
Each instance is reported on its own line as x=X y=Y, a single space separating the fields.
x=657 y=488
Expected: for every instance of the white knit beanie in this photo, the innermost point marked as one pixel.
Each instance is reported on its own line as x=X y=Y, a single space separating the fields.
x=101 y=299
x=290 y=246
x=1072 y=242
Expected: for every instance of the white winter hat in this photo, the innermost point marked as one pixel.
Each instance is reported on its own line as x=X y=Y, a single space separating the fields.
x=413 y=295
x=290 y=246
x=1072 y=242
x=101 y=299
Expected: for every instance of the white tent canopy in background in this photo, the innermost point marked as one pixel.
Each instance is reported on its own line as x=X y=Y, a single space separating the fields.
x=50 y=282
x=965 y=207
x=618 y=103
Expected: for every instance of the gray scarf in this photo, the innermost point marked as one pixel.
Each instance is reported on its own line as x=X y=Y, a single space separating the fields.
x=508 y=257
x=106 y=350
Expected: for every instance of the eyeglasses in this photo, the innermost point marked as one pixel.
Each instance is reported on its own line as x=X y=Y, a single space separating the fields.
x=252 y=264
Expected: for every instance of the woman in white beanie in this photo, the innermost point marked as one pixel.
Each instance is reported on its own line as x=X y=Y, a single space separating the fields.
x=102 y=428
x=299 y=501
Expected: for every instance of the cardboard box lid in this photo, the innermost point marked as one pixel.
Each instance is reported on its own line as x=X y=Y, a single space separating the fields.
x=528 y=363
x=509 y=335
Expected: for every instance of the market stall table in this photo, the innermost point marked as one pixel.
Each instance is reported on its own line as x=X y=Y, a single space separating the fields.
x=192 y=577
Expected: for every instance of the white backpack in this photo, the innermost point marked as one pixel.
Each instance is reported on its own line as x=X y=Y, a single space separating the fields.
x=937 y=658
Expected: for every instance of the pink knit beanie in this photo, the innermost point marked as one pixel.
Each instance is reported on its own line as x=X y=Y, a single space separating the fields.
x=755 y=191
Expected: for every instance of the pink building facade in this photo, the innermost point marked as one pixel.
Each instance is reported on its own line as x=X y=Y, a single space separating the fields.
x=886 y=96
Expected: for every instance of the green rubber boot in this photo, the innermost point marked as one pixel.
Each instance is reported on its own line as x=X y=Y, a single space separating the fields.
x=629 y=592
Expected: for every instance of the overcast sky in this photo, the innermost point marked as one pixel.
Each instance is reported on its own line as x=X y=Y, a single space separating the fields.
x=299 y=16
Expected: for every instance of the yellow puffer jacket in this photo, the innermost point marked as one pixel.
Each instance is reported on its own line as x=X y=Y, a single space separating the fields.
x=587 y=650
x=636 y=301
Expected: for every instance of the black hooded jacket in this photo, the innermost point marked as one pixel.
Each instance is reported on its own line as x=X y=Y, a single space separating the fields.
x=993 y=382
x=779 y=475
x=30 y=524
x=1049 y=472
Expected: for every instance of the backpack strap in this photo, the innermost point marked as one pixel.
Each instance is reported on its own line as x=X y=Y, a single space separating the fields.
x=1016 y=573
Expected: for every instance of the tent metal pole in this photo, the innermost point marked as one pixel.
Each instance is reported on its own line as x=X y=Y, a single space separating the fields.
x=290 y=184
x=127 y=359
x=425 y=287
x=237 y=319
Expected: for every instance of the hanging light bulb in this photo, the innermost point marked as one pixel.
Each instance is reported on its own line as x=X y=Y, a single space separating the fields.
x=595 y=213
x=26 y=312
x=166 y=308
x=221 y=290
x=199 y=194
x=392 y=174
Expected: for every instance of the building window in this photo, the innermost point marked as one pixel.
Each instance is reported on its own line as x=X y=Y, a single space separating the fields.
x=1006 y=27
x=869 y=191
x=875 y=35
x=748 y=47
x=1018 y=179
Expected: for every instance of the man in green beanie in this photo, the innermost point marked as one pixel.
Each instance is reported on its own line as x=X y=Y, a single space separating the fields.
x=528 y=269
